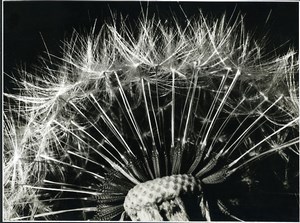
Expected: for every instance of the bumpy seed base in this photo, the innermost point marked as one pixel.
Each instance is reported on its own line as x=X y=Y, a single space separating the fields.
x=159 y=199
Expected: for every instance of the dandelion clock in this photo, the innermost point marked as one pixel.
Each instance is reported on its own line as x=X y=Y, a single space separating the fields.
x=150 y=112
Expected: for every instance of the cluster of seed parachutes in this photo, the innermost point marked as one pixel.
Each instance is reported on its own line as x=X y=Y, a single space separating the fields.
x=121 y=115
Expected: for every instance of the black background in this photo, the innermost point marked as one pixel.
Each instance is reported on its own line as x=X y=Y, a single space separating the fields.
x=25 y=23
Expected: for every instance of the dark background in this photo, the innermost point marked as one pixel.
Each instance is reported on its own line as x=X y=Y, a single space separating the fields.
x=25 y=23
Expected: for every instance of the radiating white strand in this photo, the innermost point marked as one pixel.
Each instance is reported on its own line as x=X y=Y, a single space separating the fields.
x=265 y=139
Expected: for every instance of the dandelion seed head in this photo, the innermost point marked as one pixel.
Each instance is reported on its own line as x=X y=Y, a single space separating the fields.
x=137 y=121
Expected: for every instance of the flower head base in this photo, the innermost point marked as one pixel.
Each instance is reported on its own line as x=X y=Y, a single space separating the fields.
x=151 y=200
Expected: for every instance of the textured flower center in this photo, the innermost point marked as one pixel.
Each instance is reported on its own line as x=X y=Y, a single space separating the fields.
x=160 y=199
